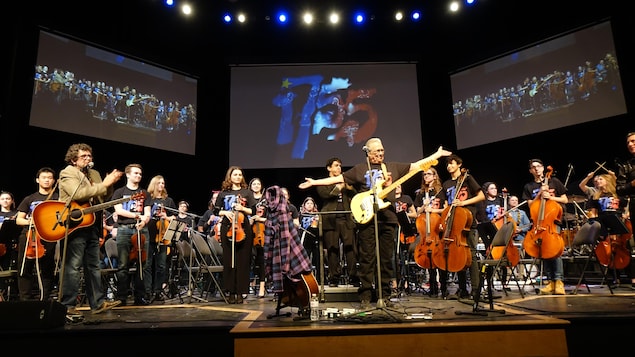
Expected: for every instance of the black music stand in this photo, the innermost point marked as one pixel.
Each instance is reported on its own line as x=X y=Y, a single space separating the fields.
x=613 y=224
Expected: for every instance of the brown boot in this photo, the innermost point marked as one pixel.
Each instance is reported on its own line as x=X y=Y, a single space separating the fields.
x=559 y=289
x=549 y=289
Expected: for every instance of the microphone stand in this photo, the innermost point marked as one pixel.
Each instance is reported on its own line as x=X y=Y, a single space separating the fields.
x=381 y=305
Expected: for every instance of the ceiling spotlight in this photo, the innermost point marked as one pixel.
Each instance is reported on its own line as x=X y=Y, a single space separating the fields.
x=416 y=15
x=282 y=18
x=307 y=18
x=454 y=6
x=227 y=18
x=242 y=18
x=334 y=18
x=399 y=16
x=359 y=18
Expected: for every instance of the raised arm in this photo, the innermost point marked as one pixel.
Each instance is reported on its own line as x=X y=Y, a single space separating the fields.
x=437 y=155
x=308 y=182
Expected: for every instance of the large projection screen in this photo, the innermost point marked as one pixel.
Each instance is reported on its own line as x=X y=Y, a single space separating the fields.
x=570 y=79
x=88 y=90
x=300 y=115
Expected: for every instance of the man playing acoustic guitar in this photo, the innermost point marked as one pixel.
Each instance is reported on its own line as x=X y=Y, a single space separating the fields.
x=79 y=183
x=381 y=180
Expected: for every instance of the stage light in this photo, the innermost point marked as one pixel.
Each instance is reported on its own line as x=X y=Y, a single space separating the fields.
x=186 y=9
x=359 y=18
x=282 y=17
x=454 y=6
x=470 y=2
x=334 y=18
x=416 y=15
x=307 y=18
x=399 y=16
x=227 y=18
x=169 y=2
x=242 y=18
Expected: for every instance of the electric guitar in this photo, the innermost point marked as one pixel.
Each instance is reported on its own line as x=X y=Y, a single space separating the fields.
x=533 y=91
x=362 y=203
x=50 y=217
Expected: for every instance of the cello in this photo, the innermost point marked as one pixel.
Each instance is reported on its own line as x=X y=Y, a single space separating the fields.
x=452 y=253
x=543 y=240
x=509 y=250
x=428 y=227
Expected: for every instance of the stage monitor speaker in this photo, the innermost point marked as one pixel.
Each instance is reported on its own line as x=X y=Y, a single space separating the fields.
x=20 y=315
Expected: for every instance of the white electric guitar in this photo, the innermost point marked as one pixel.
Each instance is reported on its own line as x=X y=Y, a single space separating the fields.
x=362 y=203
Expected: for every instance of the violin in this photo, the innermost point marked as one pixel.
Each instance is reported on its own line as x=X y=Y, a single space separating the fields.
x=509 y=250
x=236 y=232
x=543 y=240
x=259 y=228
x=452 y=252
x=138 y=241
x=34 y=247
x=428 y=227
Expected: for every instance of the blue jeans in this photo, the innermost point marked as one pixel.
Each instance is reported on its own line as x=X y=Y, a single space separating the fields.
x=124 y=247
x=82 y=250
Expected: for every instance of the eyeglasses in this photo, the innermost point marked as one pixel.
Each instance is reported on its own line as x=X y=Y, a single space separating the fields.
x=427 y=173
x=86 y=156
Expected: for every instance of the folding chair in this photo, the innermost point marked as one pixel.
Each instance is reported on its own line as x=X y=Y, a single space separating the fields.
x=189 y=261
x=588 y=234
x=109 y=274
x=209 y=263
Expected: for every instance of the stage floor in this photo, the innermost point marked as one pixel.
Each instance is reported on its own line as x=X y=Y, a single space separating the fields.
x=233 y=330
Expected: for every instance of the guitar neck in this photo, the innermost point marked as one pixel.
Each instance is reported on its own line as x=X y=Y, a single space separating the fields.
x=102 y=206
x=424 y=166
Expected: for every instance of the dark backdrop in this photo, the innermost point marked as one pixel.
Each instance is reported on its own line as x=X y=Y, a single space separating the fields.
x=205 y=48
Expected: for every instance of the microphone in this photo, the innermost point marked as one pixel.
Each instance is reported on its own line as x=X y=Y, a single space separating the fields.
x=365 y=149
x=90 y=165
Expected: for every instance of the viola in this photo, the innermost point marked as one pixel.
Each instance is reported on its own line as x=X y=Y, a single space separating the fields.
x=452 y=252
x=34 y=247
x=543 y=240
x=428 y=225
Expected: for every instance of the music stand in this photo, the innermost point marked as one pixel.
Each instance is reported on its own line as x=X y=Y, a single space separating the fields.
x=321 y=248
x=613 y=224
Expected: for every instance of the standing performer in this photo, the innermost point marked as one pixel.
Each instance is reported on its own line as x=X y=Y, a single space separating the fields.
x=338 y=227
x=234 y=203
x=553 y=194
x=80 y=183
x=36 y=257
x=379 y=177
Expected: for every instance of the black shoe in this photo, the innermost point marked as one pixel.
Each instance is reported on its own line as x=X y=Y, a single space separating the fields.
x=231 y=299
x=141 y=302
x=239 y=299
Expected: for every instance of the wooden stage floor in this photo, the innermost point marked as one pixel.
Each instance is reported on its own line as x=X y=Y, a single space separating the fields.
x=592 y=319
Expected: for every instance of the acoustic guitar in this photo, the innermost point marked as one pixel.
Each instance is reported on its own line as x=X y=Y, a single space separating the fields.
x=299 y=293
x=51 y=217
x=362 y=203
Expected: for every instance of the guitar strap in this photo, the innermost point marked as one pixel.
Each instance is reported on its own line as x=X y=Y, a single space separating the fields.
x=384 y=171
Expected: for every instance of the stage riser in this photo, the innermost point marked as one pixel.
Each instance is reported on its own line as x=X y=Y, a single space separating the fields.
x=538 y=342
